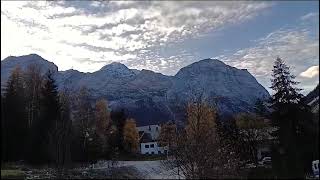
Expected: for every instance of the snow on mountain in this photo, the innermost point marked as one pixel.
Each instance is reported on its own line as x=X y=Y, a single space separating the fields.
x=312 y=99
x=9 y=63
x=151 y=97
x=117 y=69
x=231 y=89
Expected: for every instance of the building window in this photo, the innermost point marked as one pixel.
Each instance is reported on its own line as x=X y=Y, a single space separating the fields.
x=147 y=152
x=146 y=146
x=165 y=151
x=152 y=152
x=157 y=129
x=152 y=145
x=159 y=152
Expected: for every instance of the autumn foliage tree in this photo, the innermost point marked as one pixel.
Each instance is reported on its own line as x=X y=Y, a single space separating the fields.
x=103 y=125
x=131 y=136
x=199 y=151
x=167 y=134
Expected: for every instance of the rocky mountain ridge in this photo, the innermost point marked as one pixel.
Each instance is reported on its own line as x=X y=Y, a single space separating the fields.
x=152 y=98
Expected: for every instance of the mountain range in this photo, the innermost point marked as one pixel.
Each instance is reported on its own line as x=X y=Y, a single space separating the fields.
x=151 y=97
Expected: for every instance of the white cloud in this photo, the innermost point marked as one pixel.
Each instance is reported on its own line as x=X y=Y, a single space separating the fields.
x=310 y=72
x=312 y=15
x=113 y=30
x=295 y=46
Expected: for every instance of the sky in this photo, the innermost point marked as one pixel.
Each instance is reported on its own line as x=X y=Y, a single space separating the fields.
x=164 y=36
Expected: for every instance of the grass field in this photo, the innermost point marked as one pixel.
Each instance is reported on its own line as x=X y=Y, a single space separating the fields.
x=12 y=174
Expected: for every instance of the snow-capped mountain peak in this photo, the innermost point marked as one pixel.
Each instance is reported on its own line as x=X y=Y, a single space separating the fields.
x=151 y=97
x=117 y=69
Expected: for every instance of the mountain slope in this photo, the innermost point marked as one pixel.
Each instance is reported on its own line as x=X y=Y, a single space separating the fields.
x=230 y=89
x=9 y=63
x=151 y=97
x=312 y=99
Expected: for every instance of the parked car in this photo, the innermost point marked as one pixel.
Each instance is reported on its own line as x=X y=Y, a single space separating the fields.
x=266 y=161
x=315 y=168
x=250 y=165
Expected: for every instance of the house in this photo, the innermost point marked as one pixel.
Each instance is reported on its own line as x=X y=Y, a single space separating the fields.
x=148 y=136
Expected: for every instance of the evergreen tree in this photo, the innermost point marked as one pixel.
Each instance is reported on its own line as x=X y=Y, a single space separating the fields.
x=43 y=145
x=15 y=121
x=286 y=108
x=3 y=132
x=283 y=84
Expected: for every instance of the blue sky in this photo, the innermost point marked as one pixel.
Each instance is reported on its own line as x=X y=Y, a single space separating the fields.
x=164 y=36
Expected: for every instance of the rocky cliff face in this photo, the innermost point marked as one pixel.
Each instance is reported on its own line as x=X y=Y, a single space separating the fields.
x=151 y=97
x=9 y=63
x=232 y=90
x=312 y=99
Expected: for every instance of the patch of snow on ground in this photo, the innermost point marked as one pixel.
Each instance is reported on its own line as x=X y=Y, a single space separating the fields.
x=150 y=169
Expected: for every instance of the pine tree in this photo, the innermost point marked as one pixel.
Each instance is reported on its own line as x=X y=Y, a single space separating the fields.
x=285 y=104
x=3 y=132
x=50 y=112
x=283 y=84
x=15 y=120
x=43 y=145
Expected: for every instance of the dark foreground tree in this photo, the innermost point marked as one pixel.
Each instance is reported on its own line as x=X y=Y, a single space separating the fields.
x=63 y=130
x=288 y=115
x=43 y=145
x=14 y=119
x=119 y=119
x=83 y=124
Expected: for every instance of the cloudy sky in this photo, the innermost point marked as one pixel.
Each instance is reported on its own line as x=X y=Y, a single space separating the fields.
x=164 y=36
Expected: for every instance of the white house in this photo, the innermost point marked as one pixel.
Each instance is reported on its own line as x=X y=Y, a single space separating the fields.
x=148 y=136
x=153 y=130
x=152 y=148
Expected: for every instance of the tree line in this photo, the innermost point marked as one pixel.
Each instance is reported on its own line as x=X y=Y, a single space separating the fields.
x=43 y=125
x=210 y=148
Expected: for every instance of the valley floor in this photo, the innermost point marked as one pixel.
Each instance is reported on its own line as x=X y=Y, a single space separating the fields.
x=102 y=169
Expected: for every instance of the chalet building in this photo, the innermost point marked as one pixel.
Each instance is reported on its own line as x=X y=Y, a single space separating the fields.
x=148 y=136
